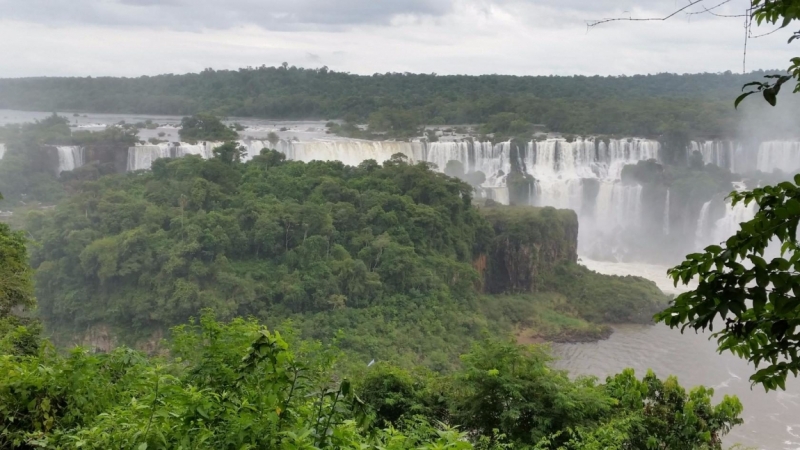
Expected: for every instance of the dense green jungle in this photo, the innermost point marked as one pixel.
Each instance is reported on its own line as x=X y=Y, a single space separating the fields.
x=280 y=304
x=399 y=104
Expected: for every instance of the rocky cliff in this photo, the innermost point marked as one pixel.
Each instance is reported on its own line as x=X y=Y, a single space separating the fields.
x=529 y=242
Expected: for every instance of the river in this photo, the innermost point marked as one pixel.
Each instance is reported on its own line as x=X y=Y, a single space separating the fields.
x=771 y=420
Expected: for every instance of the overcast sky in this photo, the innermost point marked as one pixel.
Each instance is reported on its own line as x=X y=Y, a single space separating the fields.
x=522 y=37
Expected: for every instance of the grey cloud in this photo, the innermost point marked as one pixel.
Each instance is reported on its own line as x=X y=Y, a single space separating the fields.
x=190 y=15
x=218 y=14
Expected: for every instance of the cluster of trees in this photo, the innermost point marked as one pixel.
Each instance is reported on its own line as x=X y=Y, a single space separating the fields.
x=206 y=127
x=332 y=246
x=645 y=105
x=238 y=385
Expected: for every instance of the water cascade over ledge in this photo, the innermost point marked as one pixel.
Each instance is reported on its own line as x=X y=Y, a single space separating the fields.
x=70 y=157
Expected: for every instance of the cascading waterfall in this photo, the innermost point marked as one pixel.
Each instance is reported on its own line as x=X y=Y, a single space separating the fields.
x=729 y=224
x=702 y=226
x=719 y=153
x=619 y=206
x=142 y=156
x=587 y=158
x=772 y=156
x=585 y=175
x=779 y=155
x=2 y=150
x=350 y=152
x=492 y=160
x=353 y=152
x=560 y=167
x=665 y=227
x=69 y=157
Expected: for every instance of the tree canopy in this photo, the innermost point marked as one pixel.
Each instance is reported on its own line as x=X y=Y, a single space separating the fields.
x=397 y=103
x=205 y=127
x=239 y=385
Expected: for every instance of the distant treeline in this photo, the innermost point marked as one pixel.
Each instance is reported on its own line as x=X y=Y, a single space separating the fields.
x=644 y=105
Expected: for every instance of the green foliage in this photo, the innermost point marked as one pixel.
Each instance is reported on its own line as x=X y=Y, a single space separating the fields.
x=512 y=389
x=757 y=299
x=527 y=244
x=18 y=334
x=205 y=127
x=606 y=299
x=506 y=125
x=16 y=284
x=391 y=253
x=639 y=105
x=238 y=385
x=782 y=13
x=267 y=237
x=230 y=153
x=659 y=414
x=232 y=386
x=394 y=123
x=509 y=395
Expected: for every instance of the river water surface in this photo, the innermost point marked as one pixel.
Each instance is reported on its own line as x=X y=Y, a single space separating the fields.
x=771 y=420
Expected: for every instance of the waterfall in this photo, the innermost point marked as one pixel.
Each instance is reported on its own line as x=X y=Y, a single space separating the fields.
x=492 y=160
x=586 y=158
x=702 y=225
x=583 y=175
x=69 y=157
x=779 y=155
x=729 y=224
x=771 y=156
x=720 y=153
x=618 y=206
x=2 y=150
x=665 y=227
x=354 y=152
x=350 y=152
x=142 y=156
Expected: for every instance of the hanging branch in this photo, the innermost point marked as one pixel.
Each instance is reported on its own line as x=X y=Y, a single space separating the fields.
x=645 y=19
x=711 y=11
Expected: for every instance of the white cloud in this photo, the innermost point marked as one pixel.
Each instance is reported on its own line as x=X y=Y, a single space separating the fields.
x=105 y=37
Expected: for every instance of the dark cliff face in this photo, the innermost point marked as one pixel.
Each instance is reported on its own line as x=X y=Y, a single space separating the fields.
x=111 y=154
x=529 y=242
x=44 y=159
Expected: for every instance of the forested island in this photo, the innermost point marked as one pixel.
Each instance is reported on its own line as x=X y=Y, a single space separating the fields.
x=398 y=104
x=274 y=303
